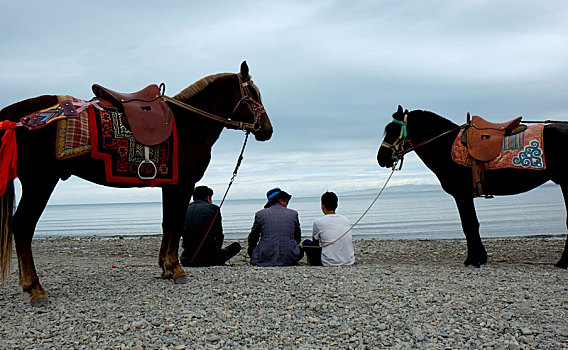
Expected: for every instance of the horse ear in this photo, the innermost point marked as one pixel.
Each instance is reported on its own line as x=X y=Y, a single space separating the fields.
x=244 y=71
x=406 y=111
x=399 y=110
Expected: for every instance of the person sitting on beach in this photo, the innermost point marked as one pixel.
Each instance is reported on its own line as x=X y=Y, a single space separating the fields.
x=278 y=229
x=198 y=221
x=326 y=230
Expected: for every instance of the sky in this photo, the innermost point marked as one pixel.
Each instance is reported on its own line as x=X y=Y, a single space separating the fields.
x=331 y=74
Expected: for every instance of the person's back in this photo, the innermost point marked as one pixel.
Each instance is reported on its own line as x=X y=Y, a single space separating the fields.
x=203 y=233
x=278 y=229
x=327 y=229
x=200 y=213
x=333 y=232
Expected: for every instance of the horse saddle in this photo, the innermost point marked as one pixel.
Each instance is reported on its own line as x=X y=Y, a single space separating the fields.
x=148 y=115
x=484 y=140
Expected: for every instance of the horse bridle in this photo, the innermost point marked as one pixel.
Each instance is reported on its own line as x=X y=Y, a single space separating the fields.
x=255 y=107
x=398 y=146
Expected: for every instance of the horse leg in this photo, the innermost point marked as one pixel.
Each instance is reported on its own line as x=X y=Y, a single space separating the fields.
x=563 y=262
x=32 y=203
x=476 y=254
x=174 y=204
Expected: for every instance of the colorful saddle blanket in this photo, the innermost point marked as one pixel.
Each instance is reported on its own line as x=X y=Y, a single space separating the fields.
x=62 y=110
x=521 y=151
x=113 y=142
x=73 y=134
x=86 y=128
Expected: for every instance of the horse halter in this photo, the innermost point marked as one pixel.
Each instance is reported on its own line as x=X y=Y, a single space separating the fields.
x=255 y=107
x=398 y=146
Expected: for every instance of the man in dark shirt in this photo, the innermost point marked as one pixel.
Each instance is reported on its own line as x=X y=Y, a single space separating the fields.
x=200 y=214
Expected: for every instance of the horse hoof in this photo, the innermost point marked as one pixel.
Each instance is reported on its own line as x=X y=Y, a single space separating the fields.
x=470 y=262
x=561 y=264
x=181 y=280
x=40 y=302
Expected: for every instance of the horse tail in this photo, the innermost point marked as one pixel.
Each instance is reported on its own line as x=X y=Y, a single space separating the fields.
x=6 y=214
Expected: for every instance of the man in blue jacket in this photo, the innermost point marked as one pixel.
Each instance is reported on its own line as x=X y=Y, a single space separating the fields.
x=278 y=229
x=200 y=214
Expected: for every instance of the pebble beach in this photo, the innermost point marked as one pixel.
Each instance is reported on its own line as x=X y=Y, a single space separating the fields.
x=400 y=294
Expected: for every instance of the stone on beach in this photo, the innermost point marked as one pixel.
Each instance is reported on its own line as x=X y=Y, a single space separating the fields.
x=399 y=294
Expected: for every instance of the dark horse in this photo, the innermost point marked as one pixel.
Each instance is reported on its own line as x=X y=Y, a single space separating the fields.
x=39 y=170
x=456 y=180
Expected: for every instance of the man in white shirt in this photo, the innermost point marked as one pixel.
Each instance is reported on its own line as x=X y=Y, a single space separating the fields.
x=327 y=229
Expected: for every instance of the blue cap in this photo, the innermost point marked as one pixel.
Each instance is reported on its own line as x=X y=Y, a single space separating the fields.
x=272 y=193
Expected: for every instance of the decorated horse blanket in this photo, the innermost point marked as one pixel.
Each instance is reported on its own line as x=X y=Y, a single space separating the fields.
x=520 y=151
x=85 y=128
x=113 y=142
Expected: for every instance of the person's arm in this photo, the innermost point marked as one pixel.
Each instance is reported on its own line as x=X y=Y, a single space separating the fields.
x=316 y=233
x=218 y=229
x=254 y=235
x=186 y=232
x=297 y=230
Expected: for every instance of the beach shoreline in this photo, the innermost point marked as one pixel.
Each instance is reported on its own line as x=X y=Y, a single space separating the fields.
x=107 y=293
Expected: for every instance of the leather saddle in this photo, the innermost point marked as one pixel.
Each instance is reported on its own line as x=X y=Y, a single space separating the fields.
x=484 y=142
x=148 y=115
x=484 y=139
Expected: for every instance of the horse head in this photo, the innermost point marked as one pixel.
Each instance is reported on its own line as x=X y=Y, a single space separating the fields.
x=395 y=142
x=249 y=108
x=228 y=99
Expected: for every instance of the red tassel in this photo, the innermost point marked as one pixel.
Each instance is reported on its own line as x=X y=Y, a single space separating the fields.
x=8 y=155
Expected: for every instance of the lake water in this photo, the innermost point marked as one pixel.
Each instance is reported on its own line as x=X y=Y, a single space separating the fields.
x=395 y=215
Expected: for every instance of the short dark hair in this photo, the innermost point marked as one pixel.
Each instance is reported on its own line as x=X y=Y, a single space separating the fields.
x=329 y=201
x=202 y=192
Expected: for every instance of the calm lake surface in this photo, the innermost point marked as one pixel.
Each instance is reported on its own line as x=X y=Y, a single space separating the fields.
x=396 y=215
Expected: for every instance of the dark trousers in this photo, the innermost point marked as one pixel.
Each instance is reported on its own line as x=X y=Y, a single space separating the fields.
x=313 y=252
x=222 y=257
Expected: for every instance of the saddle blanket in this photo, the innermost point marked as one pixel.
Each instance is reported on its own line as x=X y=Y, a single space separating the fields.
x=63 y=109
x=113 y=142
x=520 y=151
x=73 y=134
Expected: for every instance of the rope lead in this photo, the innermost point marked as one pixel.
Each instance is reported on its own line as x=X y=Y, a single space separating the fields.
x=361 y=217
x=239 y=160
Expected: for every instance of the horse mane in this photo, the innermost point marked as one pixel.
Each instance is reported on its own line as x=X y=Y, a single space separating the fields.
x=433 y=118
x=198 y=86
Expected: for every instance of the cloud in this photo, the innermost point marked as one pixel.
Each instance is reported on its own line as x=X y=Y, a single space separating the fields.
x=331 y=73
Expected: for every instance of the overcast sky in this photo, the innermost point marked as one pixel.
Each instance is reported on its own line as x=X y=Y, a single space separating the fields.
x=331 y=74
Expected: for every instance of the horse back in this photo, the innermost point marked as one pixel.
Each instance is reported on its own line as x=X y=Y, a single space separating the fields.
x=20 y=109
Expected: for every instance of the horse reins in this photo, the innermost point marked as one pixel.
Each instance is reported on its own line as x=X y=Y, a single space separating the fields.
x=255 y=107
x=361 y=217
x=239 y=161
x=403 y=135
x=399 y=154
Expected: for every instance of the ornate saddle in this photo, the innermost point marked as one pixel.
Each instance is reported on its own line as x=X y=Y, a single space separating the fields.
x=148 y=115
x=484 y=139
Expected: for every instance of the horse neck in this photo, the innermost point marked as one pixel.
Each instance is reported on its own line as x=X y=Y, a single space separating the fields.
x=200 y=128
x=424 y=126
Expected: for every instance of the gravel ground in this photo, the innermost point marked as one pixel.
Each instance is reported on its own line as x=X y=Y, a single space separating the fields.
x=399 y=294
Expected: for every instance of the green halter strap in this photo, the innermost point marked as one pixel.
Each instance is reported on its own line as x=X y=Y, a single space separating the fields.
x=403 y=123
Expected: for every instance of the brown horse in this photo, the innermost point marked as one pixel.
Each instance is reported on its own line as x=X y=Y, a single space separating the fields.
x=39 y=170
